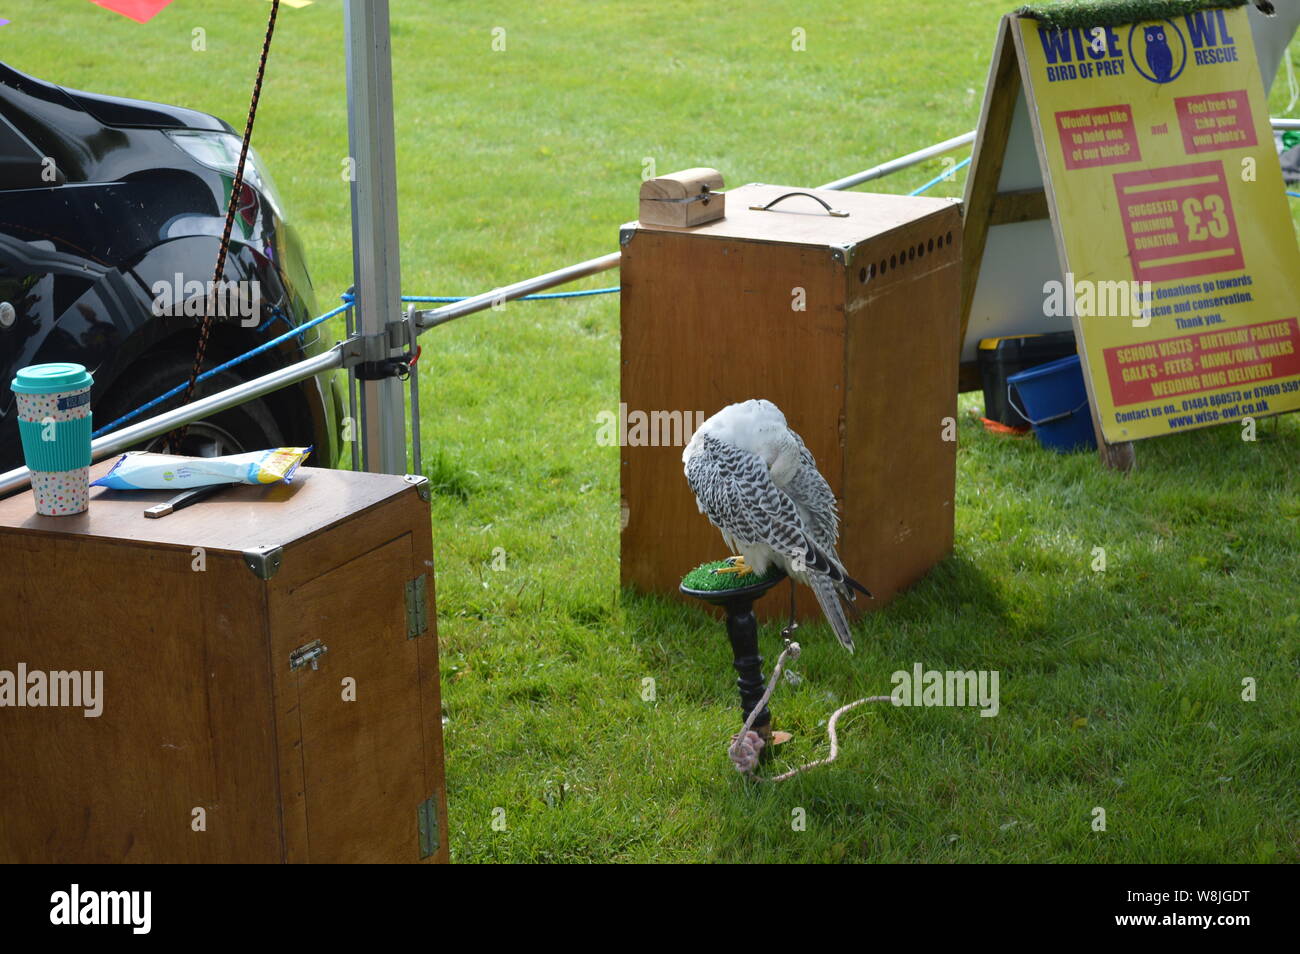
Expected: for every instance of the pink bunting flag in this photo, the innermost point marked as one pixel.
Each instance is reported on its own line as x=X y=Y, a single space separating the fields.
x=141 y=11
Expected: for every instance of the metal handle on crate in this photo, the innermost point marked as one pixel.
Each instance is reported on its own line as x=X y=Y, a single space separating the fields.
x=1046 y=420
x=838 y=213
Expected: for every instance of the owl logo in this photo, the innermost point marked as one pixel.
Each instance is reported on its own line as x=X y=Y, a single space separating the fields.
x=1159 y=53
x=1160 y=58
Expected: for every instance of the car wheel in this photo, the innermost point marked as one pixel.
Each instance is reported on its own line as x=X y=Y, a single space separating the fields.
x=248 y=427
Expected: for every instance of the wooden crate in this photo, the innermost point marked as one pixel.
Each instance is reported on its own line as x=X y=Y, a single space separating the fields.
x=866 y=372
x=192 y=619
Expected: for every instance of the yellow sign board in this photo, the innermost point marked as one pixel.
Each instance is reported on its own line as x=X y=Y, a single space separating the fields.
x=1181 y=265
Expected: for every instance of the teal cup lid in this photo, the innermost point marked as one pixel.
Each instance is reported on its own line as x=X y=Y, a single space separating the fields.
x=51 y=378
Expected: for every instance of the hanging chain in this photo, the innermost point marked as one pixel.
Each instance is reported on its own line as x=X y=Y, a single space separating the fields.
x=237 y=187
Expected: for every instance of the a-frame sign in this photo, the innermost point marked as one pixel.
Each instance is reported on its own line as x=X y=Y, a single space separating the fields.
x=1141 y=153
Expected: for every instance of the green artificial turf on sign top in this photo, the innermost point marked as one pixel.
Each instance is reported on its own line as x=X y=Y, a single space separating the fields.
x=1090 y=13
x=1121 y=688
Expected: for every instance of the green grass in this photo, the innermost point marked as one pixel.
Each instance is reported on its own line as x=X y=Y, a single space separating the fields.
x=1120 y=689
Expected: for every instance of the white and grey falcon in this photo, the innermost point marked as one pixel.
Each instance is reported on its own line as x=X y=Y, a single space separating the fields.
x=757 y=483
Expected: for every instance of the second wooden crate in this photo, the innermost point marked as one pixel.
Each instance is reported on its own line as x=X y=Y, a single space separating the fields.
x=848 y=322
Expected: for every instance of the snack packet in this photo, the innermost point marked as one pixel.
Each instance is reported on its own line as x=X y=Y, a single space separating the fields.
x=140 y=470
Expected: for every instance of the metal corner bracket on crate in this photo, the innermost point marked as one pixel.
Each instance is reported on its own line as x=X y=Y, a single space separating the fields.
x=263 y=561
x=842 y=253
x=421 y=484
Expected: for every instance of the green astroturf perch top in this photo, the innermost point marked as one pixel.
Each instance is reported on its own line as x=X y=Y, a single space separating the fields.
x=1091 y=13
x=703 y=577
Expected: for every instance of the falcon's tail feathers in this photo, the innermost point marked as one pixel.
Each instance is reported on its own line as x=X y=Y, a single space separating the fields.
x=824 y=589
x=858 y=586
x=818 y=560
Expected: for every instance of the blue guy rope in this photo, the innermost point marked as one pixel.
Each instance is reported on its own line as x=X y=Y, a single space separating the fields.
x=450 y=299
x=943 y=175
x=265 y=346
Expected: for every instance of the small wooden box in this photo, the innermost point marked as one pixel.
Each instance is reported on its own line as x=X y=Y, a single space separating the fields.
x=848 y=323
x=194 y=620
x=683 y=199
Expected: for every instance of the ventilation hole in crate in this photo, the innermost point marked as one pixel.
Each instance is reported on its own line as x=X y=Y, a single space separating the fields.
x=893 y=261
x=882 y=266
x=949 y=242
x=931 y=245
x=862 y=275
x=911 y=253
x=920 y=250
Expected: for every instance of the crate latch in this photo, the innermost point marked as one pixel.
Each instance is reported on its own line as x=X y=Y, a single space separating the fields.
x=429 y=835
x=417 y=606
x=305 y=656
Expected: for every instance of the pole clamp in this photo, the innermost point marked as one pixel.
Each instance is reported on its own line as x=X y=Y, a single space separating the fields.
x=369 y=357
x=398 y=366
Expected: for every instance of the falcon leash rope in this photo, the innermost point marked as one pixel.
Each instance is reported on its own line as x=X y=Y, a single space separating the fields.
x=747 y=745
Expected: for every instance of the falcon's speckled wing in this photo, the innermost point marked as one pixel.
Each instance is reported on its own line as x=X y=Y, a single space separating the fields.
x=737 y=494
x=811 y=493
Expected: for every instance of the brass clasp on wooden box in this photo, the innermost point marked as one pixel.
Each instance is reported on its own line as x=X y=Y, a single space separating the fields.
x=683 y=199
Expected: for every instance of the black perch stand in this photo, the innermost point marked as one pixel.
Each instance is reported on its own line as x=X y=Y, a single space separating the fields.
x=742 y=630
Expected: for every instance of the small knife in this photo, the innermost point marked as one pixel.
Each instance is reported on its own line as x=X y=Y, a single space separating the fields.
x=183 y=500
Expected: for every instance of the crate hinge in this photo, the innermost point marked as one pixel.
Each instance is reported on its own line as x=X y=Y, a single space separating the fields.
x=417 y=606
x=429 y=834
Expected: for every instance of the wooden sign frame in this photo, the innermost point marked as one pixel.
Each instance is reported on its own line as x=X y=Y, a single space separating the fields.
x=1002 y=138
x=984 y=207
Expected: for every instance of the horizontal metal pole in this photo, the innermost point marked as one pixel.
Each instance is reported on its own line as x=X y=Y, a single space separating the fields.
x=948 y=145
x=120 y=440
x=902 y=162
x=438 y=316
x=562 y=276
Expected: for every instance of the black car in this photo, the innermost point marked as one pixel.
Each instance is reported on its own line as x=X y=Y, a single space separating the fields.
x=111 y=213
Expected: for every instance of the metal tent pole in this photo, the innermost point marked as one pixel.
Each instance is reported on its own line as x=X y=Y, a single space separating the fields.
x=374 y=229
x=902 y=162
x=425 y=320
